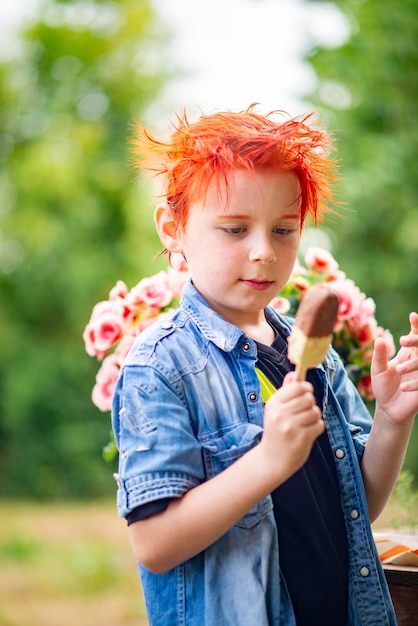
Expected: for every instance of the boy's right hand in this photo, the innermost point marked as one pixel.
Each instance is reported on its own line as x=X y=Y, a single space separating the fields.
x=292 y=422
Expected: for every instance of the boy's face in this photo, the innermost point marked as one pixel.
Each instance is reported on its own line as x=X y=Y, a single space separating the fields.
x=241 y=252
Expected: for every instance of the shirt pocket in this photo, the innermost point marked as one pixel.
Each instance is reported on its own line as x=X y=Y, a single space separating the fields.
x=222 y=450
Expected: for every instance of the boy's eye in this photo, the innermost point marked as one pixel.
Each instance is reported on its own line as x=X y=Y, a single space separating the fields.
x=239 y=230
x=284 y=231
x=234 y=230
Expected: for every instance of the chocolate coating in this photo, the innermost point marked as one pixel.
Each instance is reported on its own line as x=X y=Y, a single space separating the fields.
x=317 y=312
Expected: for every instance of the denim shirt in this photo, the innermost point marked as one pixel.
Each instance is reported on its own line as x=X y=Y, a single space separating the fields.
x=186 y=406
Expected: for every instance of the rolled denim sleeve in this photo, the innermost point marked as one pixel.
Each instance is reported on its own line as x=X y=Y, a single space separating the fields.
x=159 y=454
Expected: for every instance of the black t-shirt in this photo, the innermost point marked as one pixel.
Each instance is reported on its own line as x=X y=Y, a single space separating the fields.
x=310 y=524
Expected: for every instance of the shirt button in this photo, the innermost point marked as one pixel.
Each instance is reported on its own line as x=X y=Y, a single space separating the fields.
x=354 y=514
x=364 y=572
x=340 y=454
x=252 y=397
x=167 y=326
x=246 y=346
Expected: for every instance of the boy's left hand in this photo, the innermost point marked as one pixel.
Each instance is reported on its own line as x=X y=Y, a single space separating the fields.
x=395 y=382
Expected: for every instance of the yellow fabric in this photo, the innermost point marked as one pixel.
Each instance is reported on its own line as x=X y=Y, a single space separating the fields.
x=267 y=389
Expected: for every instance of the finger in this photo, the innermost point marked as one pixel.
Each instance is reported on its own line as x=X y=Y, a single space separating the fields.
x=318 y=426
x=411 y=340
x=380 y=357
x=289 y=378
x=292 y=395
x=408 y=366
x=301 y=404
x=413 y=319
x=309 y=418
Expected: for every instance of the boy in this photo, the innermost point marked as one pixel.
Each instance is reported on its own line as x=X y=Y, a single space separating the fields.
x=241 y=512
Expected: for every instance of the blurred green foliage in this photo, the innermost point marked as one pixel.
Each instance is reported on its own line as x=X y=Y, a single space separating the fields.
x=72 y=222
x=367 y=92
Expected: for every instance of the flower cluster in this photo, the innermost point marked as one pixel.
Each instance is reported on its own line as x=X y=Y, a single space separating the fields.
x=356 y=327
x=116 y=322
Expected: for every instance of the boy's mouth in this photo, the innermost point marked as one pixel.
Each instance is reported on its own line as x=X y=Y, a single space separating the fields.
x=257 y=285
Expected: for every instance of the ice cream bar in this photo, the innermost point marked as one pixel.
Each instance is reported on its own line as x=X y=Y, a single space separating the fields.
x=312 y=331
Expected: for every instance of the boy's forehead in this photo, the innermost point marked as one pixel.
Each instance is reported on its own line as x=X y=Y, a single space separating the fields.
x=238 y=176
x=227 y=195
x=225 y=187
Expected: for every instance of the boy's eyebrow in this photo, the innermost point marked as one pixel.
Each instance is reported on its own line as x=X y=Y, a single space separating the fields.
x=239 y=216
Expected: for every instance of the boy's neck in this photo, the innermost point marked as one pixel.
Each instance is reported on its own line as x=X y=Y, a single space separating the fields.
x=262 y=332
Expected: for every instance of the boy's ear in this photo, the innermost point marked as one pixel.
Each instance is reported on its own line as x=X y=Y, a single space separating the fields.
x=167 y=228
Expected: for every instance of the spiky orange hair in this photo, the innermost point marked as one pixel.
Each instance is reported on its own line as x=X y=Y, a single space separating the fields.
x=212 y=146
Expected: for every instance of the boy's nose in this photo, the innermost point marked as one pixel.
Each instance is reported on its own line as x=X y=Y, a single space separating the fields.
x=262 y=251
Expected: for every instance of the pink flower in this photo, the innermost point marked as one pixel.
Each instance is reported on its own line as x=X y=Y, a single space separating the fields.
x=366 y=311
x=125 y=344
x=280 y=304
x=299 y=282
x=119 y=293
x=336 y=275
x=320 y=260
x=106 y=326
x=362 y=324
x=127 y=341
x=176 y=281
x=105 y=383
x=120 y=290
x=364 y=386
x=365 y=334
x=154 y=292
x=350 y=296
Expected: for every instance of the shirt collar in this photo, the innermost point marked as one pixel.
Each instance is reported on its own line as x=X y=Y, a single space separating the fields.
x=213 y=326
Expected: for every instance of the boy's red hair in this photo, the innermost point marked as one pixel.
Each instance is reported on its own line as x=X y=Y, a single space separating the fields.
x=215 y=144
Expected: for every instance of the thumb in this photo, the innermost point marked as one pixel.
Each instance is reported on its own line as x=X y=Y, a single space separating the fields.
x=380 y=357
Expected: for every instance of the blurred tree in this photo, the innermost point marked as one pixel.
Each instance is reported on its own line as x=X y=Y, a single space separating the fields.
x=368 y=89
x=71 y=223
